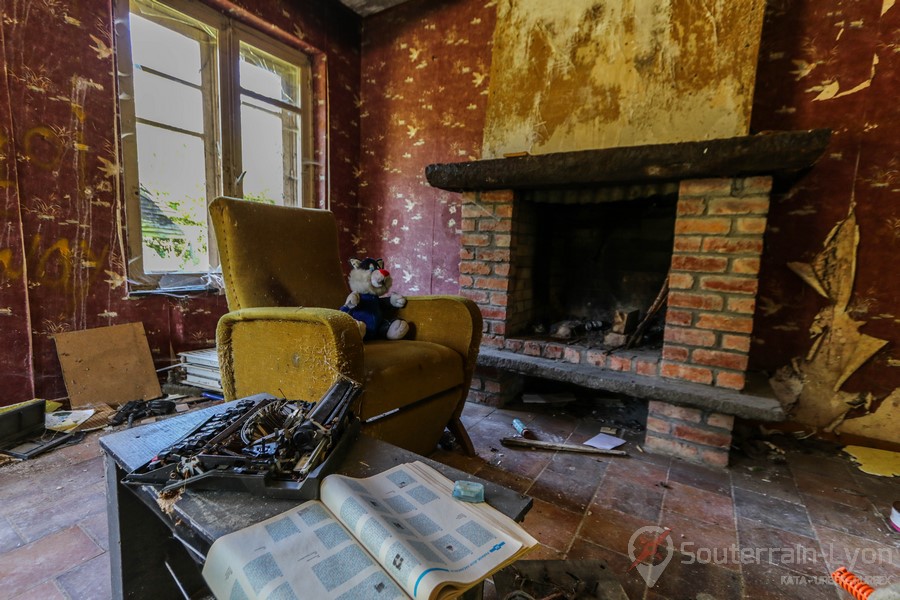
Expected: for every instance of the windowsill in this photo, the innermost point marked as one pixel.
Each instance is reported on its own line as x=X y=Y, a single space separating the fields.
x=178 y=292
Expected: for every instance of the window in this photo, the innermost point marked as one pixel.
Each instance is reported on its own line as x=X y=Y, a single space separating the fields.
x=208 y=107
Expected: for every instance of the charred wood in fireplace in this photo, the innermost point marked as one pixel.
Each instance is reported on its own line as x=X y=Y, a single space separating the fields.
x=658 y=303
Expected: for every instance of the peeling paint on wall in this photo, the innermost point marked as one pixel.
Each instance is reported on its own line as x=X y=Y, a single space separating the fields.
x=621 y=73
x=813 y=384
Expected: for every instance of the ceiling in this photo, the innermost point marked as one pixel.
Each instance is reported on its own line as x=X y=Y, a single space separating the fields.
x=370 y=7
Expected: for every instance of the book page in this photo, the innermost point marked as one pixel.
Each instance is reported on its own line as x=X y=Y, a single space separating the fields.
x=424 y=538
x=302 y=553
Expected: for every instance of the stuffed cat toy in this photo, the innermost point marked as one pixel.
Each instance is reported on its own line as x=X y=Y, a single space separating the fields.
x=369 y=281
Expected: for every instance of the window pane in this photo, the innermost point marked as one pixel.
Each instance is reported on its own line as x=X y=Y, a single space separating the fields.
x=168 y=102
x=173 y=200
x=269 y=152
x=270 y=76
x=165 y=50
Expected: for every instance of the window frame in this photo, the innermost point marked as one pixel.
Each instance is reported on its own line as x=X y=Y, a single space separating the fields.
x=221 y=115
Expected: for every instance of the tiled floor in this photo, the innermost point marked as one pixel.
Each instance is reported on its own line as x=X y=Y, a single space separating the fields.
x=53 y=533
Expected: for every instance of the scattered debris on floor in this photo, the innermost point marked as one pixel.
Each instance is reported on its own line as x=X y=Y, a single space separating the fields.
x=557 y=446
x=558 y=579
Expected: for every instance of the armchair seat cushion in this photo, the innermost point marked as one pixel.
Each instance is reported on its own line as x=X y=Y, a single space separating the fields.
x=401 y=372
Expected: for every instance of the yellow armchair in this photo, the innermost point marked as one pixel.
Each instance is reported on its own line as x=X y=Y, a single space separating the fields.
x=285 y=335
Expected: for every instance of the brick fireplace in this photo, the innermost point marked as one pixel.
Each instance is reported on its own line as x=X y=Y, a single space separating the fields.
x=695 y=370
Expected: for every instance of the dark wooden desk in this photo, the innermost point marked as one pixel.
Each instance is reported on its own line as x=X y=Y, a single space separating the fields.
x=154 y=554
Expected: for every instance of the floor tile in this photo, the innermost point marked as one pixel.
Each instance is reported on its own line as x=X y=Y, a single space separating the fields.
x=565 y=490
x=551 y=525
x=626 y=496
x=867 y=523
x=781 y=548
x=63 y=512
x=707 y=541
x=772 y=512
x=97 y=527
x=876 y=563
x=53 y=555
x=844 y=491
x=776 y=481
x=710 y=480
x=618 y=565
x=48 y=590
x=611 y=528
x=686 y=578
x=504 y=478
x=765 y=581
x=9 y=539
x=701 y=505
x=89 y=581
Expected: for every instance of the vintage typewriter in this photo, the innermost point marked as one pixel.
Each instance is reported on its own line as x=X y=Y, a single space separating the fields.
x=262 y=444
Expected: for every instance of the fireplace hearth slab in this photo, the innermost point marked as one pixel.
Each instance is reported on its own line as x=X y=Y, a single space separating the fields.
x=747 y=405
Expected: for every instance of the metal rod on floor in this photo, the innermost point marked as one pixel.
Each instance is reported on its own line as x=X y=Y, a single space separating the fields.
x=536 y=444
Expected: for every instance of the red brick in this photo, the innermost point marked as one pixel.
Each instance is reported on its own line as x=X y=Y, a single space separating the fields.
x=502 y=225
x=465 y=281
x=705 y=187
x=492 y=386
x=475 y=211
x=706 y=264
x=532 y=348
x=737 y=285
x=757 y=205
x=503 y=210
x=467 y=225
x=515 y=345
x=479 y=240
x=596 y=358
x=476 y=383
x=683 y=318
x=714 y=458
x=499 y=298
x=658 y=425
x=493 y=255
x=661 y=445
x=502 y=240
x=733 y=245
x=741 y=305
x=687 y=243
x=681 y=281
x=493 y=313
x=701 y=436
x=734 y=381
x=554 y=351
x=736 y=342
x=501 y=269
x=689 y=337
x=745 y=266
x=491 y=283
x=708 y=226
x=476 y=296
x=619 y=363
x=716 y=358
x=643 y=366
x=750 y=225
x=725 y=323
x=687 y=373
x=469 y=197
x=675 y=353
x=682 y=413
x=704 y=301
x=498 y=196
x=691 y=206
x=466 y=254
x=572 y=355
x=492 y=341
x=761 y=184
x=720 y=420
x=474 y=267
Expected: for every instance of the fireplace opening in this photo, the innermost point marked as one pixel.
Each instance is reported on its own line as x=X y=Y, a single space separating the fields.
x=582 y=263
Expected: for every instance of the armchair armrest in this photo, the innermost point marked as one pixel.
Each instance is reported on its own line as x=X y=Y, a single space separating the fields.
x=451 y=321
x=290 y=352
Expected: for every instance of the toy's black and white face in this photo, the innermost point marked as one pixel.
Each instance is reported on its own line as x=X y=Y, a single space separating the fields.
x=369 y=277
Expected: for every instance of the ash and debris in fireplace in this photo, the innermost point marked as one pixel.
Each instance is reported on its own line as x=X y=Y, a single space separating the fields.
x=596 y=333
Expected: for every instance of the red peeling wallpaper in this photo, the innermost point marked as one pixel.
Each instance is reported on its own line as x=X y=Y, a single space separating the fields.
x=822 y=64
x=62 y=265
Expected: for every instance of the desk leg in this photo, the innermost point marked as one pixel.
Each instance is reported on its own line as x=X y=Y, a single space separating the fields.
x=137 y=543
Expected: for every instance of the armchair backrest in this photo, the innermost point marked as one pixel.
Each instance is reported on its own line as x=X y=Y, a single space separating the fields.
x=277 y=255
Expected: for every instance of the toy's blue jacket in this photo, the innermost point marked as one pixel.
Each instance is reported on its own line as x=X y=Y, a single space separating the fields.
x=369 y=311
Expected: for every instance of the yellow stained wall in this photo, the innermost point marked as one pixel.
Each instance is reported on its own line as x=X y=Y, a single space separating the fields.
x=582 y=74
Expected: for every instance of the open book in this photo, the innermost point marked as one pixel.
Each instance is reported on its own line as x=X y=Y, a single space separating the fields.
x=398 y=534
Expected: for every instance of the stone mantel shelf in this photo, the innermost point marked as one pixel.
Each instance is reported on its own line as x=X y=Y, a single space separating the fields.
x=777 y=154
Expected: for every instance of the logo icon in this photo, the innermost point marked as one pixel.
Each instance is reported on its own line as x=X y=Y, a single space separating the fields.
x=651 y=550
